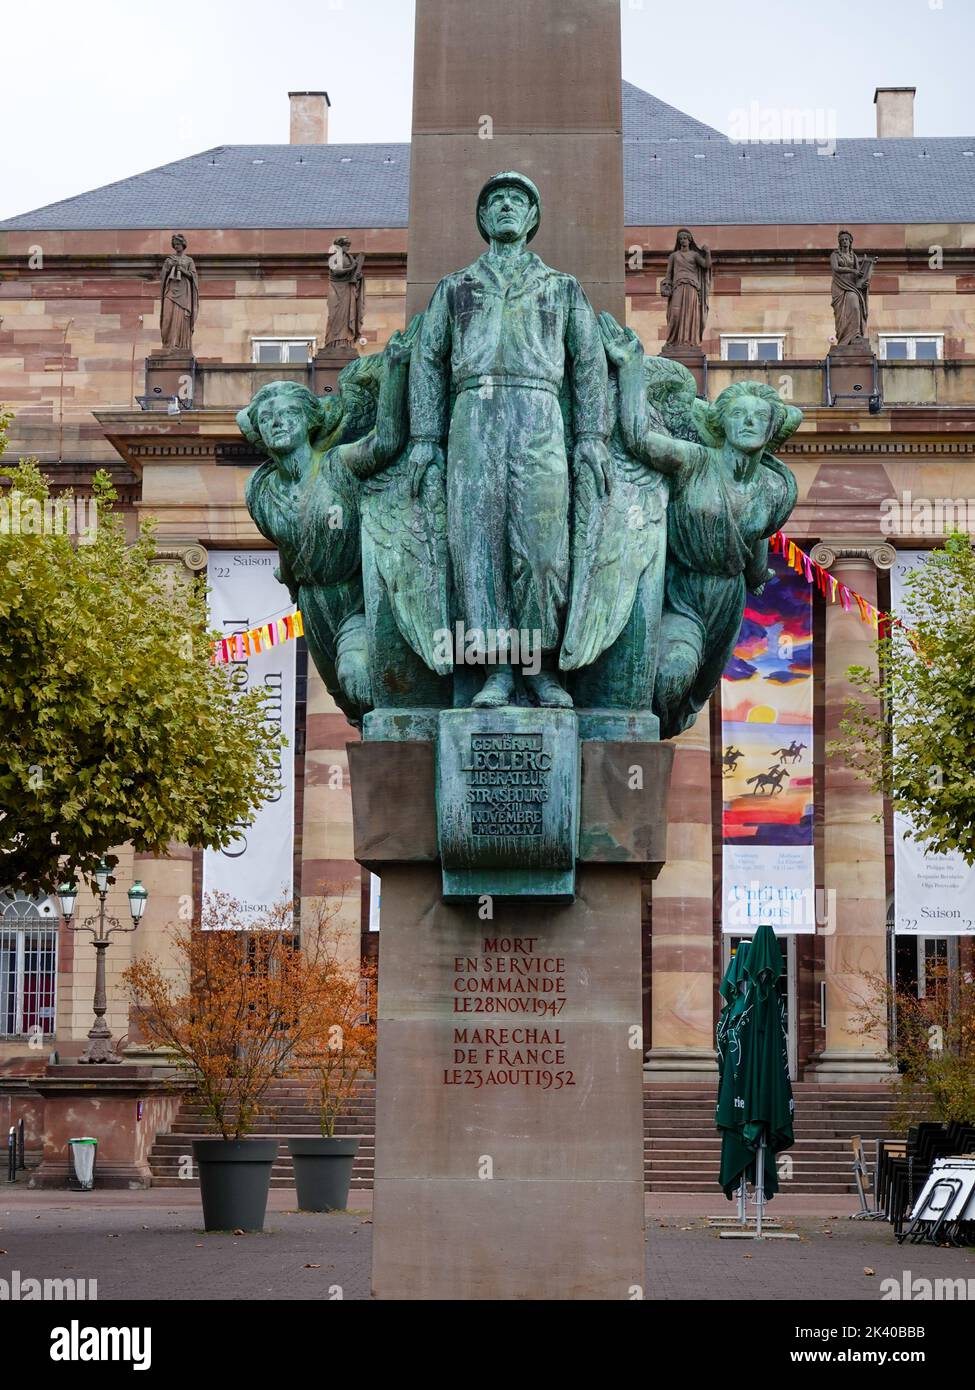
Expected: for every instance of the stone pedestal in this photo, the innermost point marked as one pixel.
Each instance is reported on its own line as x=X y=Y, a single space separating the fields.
x=124 y=1108
x=509 y=1099
x=693 y=359
x=852 y=374
x=170 y=374
x=326 y=365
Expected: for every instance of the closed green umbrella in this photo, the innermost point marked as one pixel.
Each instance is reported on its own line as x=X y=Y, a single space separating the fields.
x=730 y=989
x=755 y=1105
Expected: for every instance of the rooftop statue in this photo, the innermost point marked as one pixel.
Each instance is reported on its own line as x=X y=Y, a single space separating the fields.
x=687 y=290
x=180 y=302
x=851 y=292
x=346 y=295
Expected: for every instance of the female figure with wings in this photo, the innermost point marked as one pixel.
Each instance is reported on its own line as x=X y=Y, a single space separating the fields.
x=728 y=495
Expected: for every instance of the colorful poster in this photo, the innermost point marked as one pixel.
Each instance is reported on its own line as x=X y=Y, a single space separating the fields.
x=767 y=763
x=257 y=867
x=934 y=894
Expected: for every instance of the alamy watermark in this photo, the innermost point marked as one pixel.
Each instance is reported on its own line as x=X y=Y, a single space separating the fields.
x=908 y=515
x=21 y=515
x=784 y=125
x=474 y=646
x=913 y=1289
x=21 y=1289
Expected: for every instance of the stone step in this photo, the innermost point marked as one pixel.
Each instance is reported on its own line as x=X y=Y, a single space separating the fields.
x=681 y=1147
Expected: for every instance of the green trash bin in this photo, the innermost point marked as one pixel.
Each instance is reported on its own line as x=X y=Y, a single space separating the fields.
x=83 y=1151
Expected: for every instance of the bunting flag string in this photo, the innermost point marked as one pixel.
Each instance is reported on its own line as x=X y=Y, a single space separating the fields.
x=240 y=645
x=831 y=589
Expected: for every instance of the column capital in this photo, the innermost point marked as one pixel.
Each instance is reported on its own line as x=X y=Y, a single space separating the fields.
x=188 y=552
x=881 y=554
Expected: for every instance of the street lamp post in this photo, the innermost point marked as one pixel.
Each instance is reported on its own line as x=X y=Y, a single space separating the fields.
x=99 y=1047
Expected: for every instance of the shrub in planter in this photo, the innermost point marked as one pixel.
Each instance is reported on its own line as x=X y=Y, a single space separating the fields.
x=340 y=1050
x=233 y=1010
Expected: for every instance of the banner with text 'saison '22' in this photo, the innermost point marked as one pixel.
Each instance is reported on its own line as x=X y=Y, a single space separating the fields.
x=257 y=867
x=767 y=763
x=934 y=894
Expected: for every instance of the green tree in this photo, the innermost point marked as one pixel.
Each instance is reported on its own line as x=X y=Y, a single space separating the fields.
x=115 y=725
x=912 y=735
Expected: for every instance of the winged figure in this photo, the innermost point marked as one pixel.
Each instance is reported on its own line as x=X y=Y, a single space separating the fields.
x=728 y=495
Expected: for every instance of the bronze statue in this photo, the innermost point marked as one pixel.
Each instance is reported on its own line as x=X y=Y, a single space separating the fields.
x=490 y=474
x=501 y=340
x=180 y=298
x=728 y=495
x=851 y=291
x=687 y=290
x=346 y=295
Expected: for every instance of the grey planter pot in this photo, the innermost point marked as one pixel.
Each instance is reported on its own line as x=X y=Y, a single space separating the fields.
x=323 y=1172
x=235 y=1175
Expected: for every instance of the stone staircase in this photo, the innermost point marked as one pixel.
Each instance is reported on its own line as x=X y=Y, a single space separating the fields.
x=681 y=1147
x=682 y=1150
x=290 y=1110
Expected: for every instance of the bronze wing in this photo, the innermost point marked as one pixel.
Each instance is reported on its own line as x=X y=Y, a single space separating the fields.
x=409 y=542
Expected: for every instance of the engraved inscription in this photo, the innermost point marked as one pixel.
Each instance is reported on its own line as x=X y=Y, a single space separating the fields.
x=508 y=780
x=510 y=975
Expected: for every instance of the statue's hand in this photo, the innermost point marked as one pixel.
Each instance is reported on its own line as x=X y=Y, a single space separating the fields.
x=593 y=454
x=353 y=673
x=621 y=344
x=400 y=345
x=756 y=583
x=424 y=454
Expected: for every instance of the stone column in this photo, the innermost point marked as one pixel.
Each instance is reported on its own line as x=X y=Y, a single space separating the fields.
x=534 y=87
x=169 y=879
x=853 y=839
x=329 y=873
x=682 y=945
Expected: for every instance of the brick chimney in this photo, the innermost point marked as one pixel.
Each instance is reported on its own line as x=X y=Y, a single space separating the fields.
x=895 y=112
x=309 y=118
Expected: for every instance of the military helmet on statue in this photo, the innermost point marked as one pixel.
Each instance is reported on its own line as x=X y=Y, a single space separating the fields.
x=505 y=178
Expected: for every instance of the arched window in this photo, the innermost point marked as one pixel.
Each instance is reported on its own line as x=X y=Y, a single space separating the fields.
x=28 y=966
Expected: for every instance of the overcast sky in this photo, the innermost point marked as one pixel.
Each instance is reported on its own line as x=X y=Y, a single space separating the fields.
x=96 y=91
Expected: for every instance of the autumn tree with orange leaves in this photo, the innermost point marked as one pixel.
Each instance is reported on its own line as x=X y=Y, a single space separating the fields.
x=247 y=1004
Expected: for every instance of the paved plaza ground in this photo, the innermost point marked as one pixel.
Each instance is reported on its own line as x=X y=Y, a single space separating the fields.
x=149 y=1245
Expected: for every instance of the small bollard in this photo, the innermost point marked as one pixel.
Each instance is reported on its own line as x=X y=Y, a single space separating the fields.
x=12 y=1155
x=21 y=1151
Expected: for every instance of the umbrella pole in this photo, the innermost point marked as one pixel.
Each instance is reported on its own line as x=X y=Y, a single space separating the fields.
x=742 y=1202
x=759 y=1187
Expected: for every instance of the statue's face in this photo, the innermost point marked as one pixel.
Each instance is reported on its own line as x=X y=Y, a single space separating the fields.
x=684 y=242
x=179 y=244
x=748 y=423
x=846 y=242
x=508 y=213
x=282 y=424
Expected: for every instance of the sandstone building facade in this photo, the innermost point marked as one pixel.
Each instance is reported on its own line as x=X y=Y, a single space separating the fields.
x=79 y=313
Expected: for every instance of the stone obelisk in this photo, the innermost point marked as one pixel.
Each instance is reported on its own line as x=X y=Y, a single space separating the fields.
x=532 y=85
x=509 y=1116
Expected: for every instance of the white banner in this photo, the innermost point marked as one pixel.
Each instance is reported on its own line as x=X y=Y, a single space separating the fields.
x=768 y=883
x=257 y=867
x=934 y=894
x=375 y=898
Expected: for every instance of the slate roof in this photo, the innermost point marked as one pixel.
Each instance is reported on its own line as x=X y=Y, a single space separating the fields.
x=676 y=170
x=867 y=181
